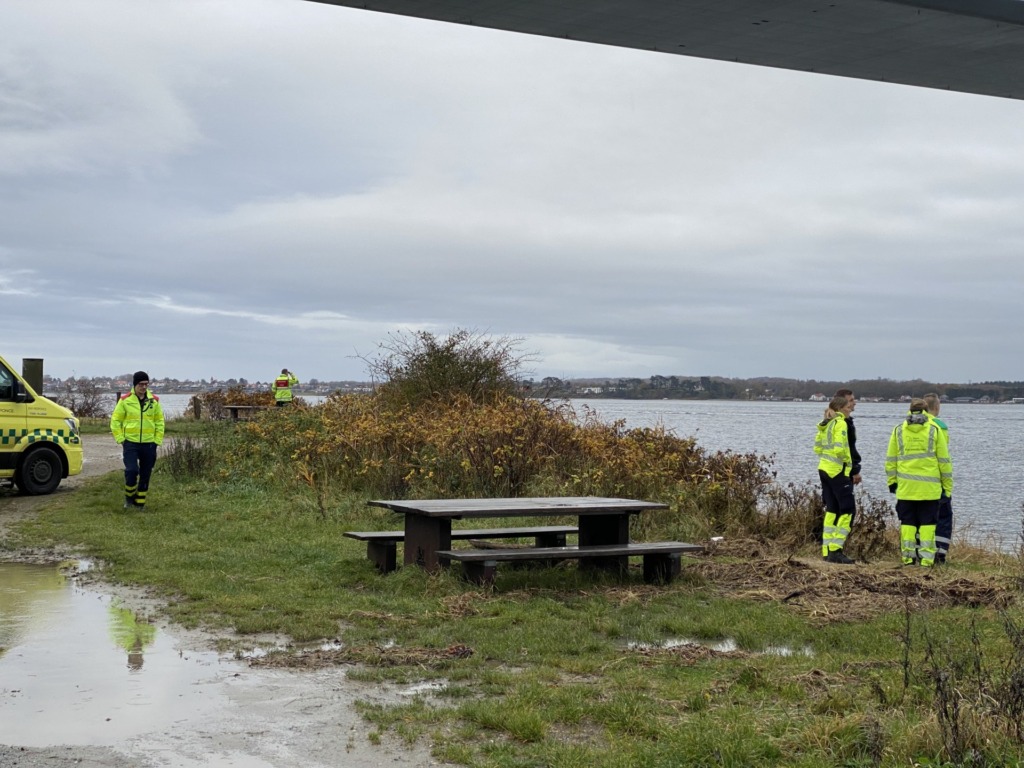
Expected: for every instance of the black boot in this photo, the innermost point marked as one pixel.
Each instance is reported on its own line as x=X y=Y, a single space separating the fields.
x=837 y=556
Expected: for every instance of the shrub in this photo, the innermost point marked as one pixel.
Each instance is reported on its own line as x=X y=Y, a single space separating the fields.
x=188 y=458
x=415 y=367
x=507 y=446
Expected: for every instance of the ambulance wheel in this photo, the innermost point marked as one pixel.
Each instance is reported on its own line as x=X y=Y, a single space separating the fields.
x=40 y=473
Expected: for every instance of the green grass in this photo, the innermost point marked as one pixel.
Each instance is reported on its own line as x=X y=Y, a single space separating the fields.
x=553 y=679
x=176 y=426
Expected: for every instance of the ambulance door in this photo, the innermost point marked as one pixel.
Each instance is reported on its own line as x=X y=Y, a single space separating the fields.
x=12 y=420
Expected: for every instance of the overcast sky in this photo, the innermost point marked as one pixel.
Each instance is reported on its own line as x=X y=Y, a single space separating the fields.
x=212 y=188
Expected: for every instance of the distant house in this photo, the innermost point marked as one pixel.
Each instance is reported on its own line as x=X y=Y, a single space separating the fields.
x=818 y=398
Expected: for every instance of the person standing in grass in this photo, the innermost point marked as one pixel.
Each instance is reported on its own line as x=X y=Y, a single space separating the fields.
x=835 y=466
x=920 y=472
x=138 y=427
x=851 y=432
x=944 y=523
x=282 y=387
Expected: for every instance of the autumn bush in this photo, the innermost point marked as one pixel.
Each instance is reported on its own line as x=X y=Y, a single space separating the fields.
x=505 y=446
x=448 y=420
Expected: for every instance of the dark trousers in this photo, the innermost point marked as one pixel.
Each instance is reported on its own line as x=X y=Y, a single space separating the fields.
x=139 y=460
x=840 y=509
x=944 y=526
x=917 y=513
x=837 y=494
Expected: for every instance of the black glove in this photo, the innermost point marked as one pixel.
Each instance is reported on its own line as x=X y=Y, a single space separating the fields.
x=892 y=488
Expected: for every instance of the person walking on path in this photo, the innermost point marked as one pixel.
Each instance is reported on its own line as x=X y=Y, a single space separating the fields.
x=944 y=523
x=919 y=471
x=282 y=387
x=138 y=427
x=851 y=432
x=835 y=466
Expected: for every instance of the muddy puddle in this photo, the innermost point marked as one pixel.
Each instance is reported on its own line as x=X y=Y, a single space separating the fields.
x=728 y=645
x=80 y=667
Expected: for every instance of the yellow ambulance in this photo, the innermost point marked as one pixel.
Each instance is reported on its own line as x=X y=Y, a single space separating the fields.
x=39 y=440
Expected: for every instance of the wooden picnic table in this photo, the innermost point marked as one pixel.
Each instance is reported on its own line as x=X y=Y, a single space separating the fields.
x=428 y=522
x=235 y=410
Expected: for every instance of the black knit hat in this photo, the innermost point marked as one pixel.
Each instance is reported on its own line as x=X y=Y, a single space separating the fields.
x=140 y=376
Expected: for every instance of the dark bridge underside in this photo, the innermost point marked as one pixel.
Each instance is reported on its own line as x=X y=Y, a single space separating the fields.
x=974 y=46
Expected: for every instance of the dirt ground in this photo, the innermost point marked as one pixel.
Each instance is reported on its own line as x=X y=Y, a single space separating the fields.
x=306 y=735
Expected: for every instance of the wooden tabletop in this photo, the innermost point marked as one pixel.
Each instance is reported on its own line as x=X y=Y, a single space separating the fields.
x=548 y=505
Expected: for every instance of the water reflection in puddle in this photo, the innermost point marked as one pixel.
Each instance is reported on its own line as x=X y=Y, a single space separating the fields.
x=724 y=646
x=260 y=651
x=423 y=689
x=78 y=667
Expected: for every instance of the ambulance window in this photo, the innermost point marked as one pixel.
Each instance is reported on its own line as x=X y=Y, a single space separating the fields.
x=6 y=384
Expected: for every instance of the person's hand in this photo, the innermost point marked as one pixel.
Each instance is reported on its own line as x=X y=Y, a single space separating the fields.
x=856 y=479
x=892 y=488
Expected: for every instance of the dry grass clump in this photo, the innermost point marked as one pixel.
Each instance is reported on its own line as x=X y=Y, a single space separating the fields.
x=810 y=586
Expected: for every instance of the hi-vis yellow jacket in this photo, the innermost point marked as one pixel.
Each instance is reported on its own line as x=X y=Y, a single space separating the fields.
x=832 y=444
x=282 y=387
x=918 y=460
x=138 y=421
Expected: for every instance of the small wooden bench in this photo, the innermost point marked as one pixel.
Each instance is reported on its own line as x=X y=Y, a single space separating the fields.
x=382 y=546
x=237 y=412
x=661 y=558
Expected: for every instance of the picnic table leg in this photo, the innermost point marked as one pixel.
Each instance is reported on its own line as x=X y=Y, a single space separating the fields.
x=596 y=530
x=480 y=573
x=424 y=536
x=661 y=568
x=383 y=554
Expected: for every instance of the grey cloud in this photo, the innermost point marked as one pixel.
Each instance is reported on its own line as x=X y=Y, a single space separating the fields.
x=297 y=180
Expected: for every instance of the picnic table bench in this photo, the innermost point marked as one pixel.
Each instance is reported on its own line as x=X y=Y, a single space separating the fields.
x=234 y=411
x=382 y=546
x=661 y=559
x=428 y=522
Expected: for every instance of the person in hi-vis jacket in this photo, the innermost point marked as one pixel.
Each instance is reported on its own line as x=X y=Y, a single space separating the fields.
x=138 y=427
x=919 y=471
x=282 y=387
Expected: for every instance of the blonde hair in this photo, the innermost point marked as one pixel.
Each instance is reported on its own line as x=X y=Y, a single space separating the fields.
x=931 y=403
x=835 y=405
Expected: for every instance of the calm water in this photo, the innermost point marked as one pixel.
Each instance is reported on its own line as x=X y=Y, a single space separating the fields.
x=986 y=442
x=988 y=474
x=175 y=405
